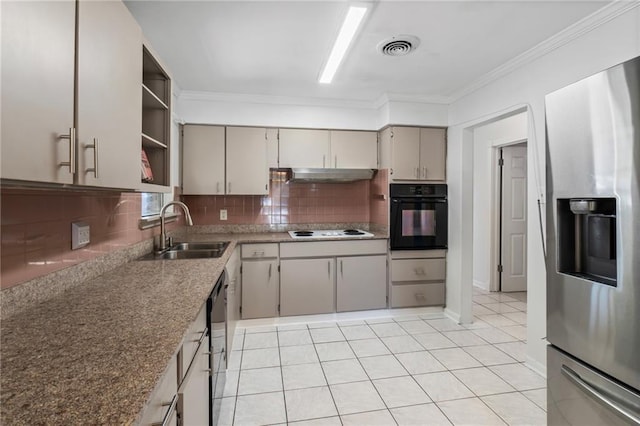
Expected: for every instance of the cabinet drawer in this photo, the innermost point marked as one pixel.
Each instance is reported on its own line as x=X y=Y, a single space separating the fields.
x=333 y=248
x=418 y=270
x=257 y=251
x=417 y=295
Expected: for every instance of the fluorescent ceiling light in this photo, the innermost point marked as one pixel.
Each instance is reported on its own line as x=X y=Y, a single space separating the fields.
x=349 y=27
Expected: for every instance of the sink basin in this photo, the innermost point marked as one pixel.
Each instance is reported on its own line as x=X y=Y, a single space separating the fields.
x=189 y=251
x=218 y=245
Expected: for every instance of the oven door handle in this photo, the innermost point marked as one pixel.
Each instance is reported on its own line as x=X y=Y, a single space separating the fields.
x=418 y=200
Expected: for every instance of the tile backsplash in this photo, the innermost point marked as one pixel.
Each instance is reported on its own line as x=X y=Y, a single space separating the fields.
x=36 y=229
x=287 y=203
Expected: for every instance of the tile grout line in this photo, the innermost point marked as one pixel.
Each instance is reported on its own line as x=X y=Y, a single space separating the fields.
x=325 y=375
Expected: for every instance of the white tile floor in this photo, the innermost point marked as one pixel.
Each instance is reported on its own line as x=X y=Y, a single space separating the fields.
x=404 y=369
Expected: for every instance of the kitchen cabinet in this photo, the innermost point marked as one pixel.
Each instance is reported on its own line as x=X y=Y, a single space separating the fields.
x=313 y=272
x=37 y=106
x=109 y=98
x=304 y=148
x=361 y=283
x=418 y=278
x=164 y=399
x=203 y=160
x=39 y=139
x=156 y=121
x=246 y=156
x=260 y=281
x=193 y=393
x=307 y=286
x=414 y=153
x=347 y=149
x=354 y=149
x=233 y=298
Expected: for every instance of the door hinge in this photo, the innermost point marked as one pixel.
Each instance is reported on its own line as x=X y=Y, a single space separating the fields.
x=500 y=268
x=501 y=162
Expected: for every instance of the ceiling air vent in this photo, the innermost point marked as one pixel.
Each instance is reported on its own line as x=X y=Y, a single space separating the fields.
x=399 y=45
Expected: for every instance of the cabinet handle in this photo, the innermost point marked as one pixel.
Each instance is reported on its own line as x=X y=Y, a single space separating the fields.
x=258 y=253
x=418 y=172
x=323 y=160
x=341 y=269
x=336 y=161
x=72 y=150
x=229 y=188
x=217 y=187
x=167 y=416
x=419 y=296
x=424 y=172
x=329 y=269
x=270 y=265
x=94 y=146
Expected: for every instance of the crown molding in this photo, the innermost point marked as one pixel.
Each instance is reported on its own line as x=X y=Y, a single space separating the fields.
x=584 y=26
x=386 y=98
x=274 y=100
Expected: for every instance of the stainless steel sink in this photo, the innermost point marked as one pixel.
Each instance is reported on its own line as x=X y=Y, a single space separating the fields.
x=218 y=245
x=189 y=251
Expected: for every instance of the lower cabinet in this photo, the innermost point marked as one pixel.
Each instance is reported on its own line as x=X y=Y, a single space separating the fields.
x=233 y=298
x=306 y=286
x=193 y=394
x=260 y=280
x=418 y=278
x=259 y=288
x=361 y=283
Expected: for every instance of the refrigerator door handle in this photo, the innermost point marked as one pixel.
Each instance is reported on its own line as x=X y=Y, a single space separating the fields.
x=594 y=392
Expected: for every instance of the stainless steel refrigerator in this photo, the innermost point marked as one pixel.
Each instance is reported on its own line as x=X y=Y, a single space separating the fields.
x=593 y=258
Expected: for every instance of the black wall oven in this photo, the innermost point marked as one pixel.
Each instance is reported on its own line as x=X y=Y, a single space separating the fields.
x=418 y=218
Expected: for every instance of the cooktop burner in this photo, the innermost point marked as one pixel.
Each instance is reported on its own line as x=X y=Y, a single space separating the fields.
x=330 y=233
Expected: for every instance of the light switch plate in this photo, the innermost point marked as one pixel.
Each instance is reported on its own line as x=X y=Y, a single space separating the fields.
x=223 y=214
x=80 y=235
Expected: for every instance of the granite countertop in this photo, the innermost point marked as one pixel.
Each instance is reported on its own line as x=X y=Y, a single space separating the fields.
x=94 y=353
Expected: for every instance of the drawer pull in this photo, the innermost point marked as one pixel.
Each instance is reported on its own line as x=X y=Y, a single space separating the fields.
x=420 y=296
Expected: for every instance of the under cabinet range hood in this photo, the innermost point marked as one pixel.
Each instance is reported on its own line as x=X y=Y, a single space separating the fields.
x=330 y=175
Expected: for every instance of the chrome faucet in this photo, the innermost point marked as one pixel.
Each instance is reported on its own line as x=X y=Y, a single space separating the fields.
x=163 y=234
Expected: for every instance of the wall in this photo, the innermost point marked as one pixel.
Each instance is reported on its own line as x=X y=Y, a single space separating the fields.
x=270 y=111
x=287 y=203
x=613 y=38
x=485 y=139
x=36 y=229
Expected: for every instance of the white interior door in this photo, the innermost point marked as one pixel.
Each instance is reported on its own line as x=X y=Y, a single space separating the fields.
x=514 y=218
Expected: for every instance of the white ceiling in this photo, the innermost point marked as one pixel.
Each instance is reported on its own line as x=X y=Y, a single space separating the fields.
x=278 y=48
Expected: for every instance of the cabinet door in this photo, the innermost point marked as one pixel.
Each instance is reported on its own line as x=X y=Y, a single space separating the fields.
x=247 y=172
x=354 y=149
x=109 y=96
x=405 y=153
x=38 y=44
x=361 y=283
x=306 y=286
x=194 y=392
x=203 y=160
x=233 y=298
x=433 y=154
x=304 y=148
x=260 y=289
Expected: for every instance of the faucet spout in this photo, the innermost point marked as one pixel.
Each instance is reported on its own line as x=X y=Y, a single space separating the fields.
x=163 y=234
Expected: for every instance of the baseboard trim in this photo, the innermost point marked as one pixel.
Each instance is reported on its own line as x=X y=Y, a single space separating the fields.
x=536 y=366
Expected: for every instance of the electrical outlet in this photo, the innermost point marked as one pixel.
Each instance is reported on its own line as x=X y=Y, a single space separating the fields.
x=223 y=214
x=80 y=235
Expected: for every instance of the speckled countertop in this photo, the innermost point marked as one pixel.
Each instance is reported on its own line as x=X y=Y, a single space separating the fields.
x=93 y=354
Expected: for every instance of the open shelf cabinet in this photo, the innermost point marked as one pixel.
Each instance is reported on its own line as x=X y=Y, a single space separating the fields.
x=156 y=116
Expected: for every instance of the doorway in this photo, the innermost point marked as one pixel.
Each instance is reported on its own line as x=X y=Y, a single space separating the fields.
x=510 y=242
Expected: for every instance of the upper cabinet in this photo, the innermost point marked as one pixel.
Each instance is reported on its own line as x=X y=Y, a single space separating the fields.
x=51 y=134
x=247 y=171
x=306 y=148
x=354 y=149
x=156 y=119
x=414 y=153
x=109 y=97
x=219 y=160
x=37 y=106
x=203 y=160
